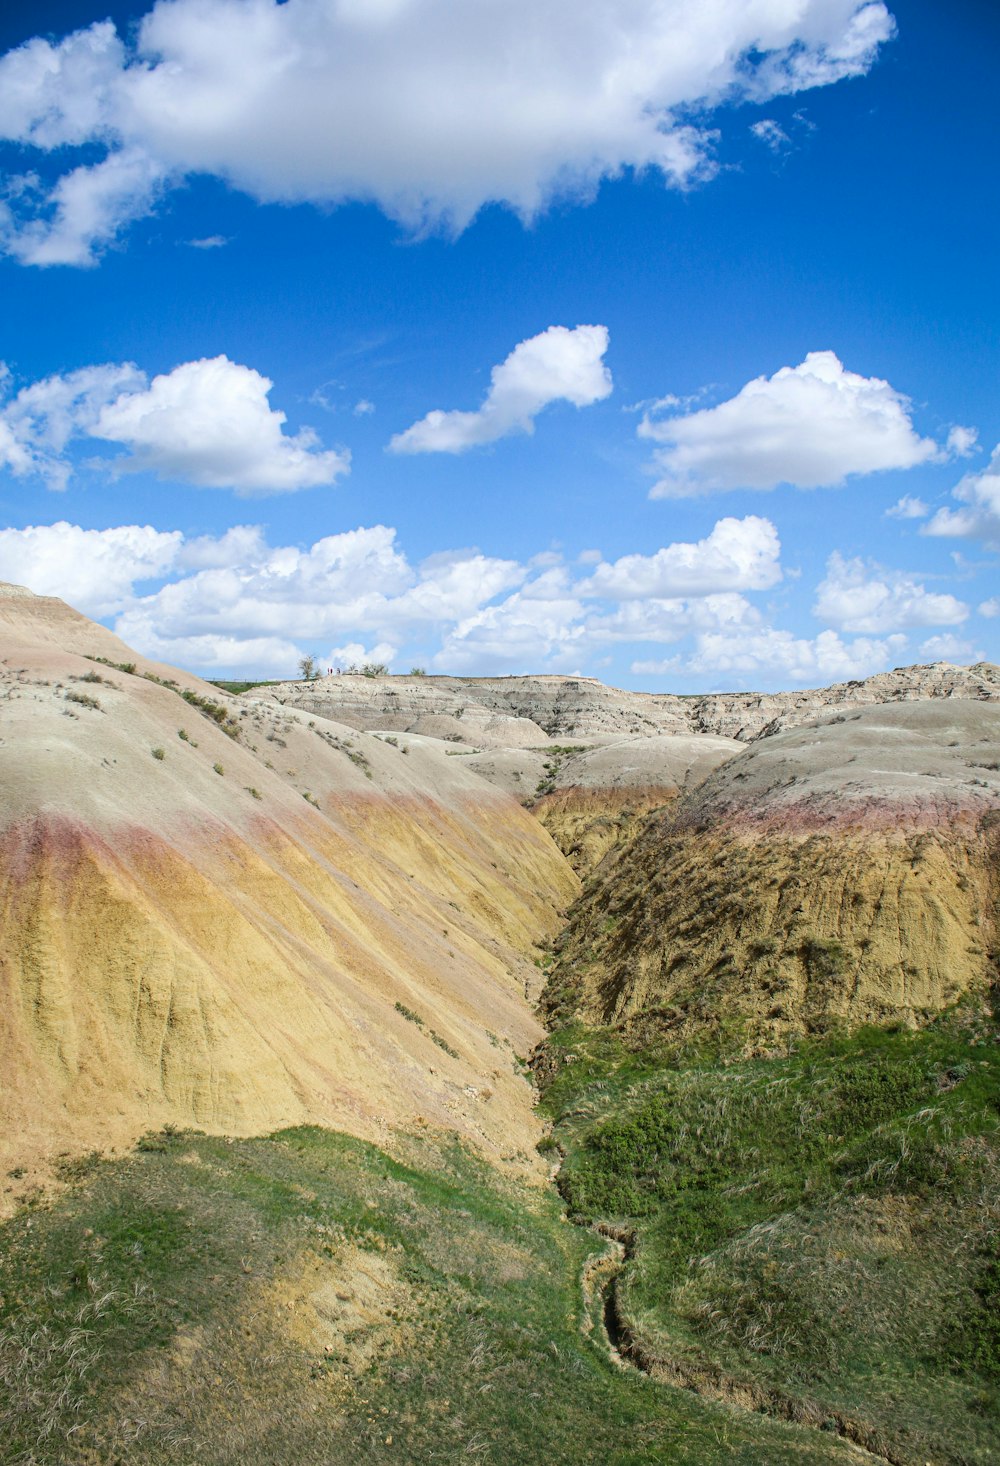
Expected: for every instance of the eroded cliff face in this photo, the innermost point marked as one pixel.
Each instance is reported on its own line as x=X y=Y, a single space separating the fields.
x=287 y=921
x=526 y=712
x=843 y=873
x=593 y=797
x=239 y=914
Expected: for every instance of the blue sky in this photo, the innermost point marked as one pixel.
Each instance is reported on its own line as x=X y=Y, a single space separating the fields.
x=649 y=339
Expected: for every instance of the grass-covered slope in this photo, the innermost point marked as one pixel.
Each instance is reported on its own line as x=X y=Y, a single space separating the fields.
x=813 y=1235
x=305 y=1299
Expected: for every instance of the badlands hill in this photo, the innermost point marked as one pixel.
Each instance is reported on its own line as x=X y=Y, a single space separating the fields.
x=526 y=712
x=329 y=903
x=593 y=761
x=323 y=901
x=236 y=916
x=846 y=871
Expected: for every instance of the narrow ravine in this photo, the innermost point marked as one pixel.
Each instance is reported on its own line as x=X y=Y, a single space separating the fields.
x=599 y=1285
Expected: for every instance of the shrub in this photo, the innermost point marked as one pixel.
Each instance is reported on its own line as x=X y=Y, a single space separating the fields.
x=443 y=1044
x=159 y=753
x=215 y=710
x=409 y=1014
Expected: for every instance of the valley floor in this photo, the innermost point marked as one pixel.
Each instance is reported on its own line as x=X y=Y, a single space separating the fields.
x=305 y=1299
x=814 y=1243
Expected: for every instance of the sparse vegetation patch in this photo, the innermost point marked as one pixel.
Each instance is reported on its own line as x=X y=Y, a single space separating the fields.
x=83 y=700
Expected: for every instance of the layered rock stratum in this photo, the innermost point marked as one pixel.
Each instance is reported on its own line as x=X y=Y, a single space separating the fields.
x=236 y=916
x=845 y=872
x=524 y=712
x=593 y=797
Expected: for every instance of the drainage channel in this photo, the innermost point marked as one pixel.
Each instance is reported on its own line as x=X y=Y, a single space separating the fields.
x=600 y=1280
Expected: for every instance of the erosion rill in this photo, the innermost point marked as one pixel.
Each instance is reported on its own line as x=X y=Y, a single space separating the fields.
x=275 y=1187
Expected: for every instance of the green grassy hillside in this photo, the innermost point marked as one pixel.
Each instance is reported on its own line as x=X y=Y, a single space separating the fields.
x=814 y=1235
x=305 y=1299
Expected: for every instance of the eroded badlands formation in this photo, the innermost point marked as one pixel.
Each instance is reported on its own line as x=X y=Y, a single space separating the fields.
x=846 y=871
x=241 y=932
x=324 y=901
x=523 y=712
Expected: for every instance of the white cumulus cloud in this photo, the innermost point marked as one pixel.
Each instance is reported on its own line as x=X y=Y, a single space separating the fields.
x=978 y=517
x=523 y=633
x=558 y=365
x=85 y=209
x=347 y=588
x=672 y=619
x=770 y=652
x=948 y=648
x=811 y=426
x=429 y=108
x=235 y=602
x=95 y=570
x=908 y=507
x=39 y=421
x=356 y=654
x=962 y=442
x=209 y=423
x=739 y=554
x=860 y=597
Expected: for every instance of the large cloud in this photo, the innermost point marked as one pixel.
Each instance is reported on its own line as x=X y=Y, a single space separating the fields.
x=524 y=632
x=558 y=365
x=810 y=425
x=770 y=652
x=979 y=515
x=739 y=554
x=210 y=423
x=357 y=584
x=96 y=570
x=237 y=601
x=207 y=423
x=427 y=107
x=869 y=599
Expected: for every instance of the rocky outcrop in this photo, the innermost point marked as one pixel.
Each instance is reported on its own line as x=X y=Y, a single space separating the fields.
x=748 y=715
x=842 y=873
x=521 y=712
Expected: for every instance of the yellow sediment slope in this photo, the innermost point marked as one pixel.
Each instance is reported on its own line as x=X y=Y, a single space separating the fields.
x=303 y=923
x=588 y=824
